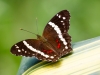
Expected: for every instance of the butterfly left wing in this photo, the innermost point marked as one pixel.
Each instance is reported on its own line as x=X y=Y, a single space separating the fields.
x=34 y=47
x=56 y=33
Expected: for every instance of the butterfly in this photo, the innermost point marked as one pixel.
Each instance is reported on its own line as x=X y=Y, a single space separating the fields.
x=52 y=45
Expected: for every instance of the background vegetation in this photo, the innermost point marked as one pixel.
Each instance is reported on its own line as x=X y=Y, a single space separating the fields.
x=15 y=14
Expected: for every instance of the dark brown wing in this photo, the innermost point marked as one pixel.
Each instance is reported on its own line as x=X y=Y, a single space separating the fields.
x=56 y=32
x=33 y=47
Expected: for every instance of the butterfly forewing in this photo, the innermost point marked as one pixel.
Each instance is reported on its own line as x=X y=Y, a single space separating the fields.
x=56 y=32
x=23 y=48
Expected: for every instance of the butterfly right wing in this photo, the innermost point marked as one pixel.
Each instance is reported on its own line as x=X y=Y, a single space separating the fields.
x=56 y=32
x=34 y=47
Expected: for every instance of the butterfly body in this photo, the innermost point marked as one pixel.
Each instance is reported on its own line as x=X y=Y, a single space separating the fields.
x=52 y=45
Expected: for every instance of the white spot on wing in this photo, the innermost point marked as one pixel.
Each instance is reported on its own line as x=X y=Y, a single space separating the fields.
x=19 y=50
x=33 y=54
x=52 y=57
x=16 y=46
x=66 y=47
x=64 y=18
x=55 y=55
x=59 y=16
x=25 y=51
x=22 y=49
x=62 y=21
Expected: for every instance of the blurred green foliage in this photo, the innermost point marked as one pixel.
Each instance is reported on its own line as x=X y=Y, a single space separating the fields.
x=15 y=14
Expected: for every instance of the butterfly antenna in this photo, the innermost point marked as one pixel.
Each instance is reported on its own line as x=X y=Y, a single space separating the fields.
x=28 y=31
x=37 y=26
